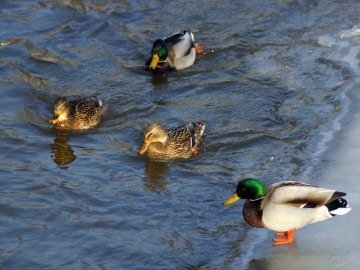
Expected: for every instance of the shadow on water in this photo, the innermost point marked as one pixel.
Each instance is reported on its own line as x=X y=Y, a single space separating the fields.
x=291 y=256
x=63 y=154
x=158 y=77
x=155 y=172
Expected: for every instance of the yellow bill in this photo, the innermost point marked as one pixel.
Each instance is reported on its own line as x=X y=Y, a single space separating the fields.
x=154 y=61
x=232 y=199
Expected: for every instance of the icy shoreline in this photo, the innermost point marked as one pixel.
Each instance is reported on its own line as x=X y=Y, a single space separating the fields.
x=331 y=244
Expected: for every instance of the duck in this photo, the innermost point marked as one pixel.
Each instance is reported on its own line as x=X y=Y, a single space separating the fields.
x=180 y=142
x=77 y=114
x=175 y=52
x=286 y=206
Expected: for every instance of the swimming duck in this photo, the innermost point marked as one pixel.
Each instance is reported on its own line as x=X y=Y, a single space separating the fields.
x=180 y=142
x=287 y=206
x=77 y=114
x=175 y=52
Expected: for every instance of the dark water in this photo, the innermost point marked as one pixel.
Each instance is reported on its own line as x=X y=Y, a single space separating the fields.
x=267 y=90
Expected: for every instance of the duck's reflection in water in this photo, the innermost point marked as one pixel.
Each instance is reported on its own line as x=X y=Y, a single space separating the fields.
x=62 y=152
x=154 y=176
x=159 y=77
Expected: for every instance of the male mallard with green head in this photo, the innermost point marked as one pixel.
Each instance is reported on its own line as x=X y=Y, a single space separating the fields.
x=180 y=142
x=287 y=206
x=77 y=114
x=175 y=52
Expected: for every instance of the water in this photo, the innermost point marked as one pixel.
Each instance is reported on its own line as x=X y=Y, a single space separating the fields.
x=274 y=90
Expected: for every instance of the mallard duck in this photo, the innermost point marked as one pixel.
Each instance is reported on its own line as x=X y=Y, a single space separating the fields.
x=77 y=114
x=180 y=142
x=287 y=206
x=175 y=52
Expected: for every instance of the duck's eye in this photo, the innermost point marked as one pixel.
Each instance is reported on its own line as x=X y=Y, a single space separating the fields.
x=149 y=135
x=184 y=32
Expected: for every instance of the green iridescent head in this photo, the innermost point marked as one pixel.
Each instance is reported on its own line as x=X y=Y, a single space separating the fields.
x=250 y=189
x=159 y=53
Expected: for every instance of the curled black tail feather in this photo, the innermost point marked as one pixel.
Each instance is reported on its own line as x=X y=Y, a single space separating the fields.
x=338 y=207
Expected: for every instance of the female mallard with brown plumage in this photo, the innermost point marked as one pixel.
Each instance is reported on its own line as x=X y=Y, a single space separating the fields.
x=77 y=114
x=287 y=206
x=180 y=142
x=175 y=52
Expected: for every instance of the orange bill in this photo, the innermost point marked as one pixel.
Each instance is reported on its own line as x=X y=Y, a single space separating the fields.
x=54 y=121
x=143 y=148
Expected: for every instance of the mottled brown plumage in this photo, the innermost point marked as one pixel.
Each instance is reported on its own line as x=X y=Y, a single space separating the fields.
x=77 y=114
x=180 y=142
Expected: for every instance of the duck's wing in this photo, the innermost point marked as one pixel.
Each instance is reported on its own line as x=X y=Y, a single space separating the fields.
x=182 y=138
x=299 y=194
x=86 y=106
x=180 y=44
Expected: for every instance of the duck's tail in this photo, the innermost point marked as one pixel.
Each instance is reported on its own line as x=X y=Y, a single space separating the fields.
x=197 y=130
x=338 y=207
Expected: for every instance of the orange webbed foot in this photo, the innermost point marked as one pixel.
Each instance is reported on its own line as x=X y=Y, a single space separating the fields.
x=195 y=152
x=284 y=237
x=198 y=49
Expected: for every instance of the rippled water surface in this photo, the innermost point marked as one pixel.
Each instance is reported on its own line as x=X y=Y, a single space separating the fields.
x=273 y=80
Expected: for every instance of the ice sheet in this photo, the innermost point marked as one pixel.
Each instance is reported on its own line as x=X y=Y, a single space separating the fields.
x=332 y=244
